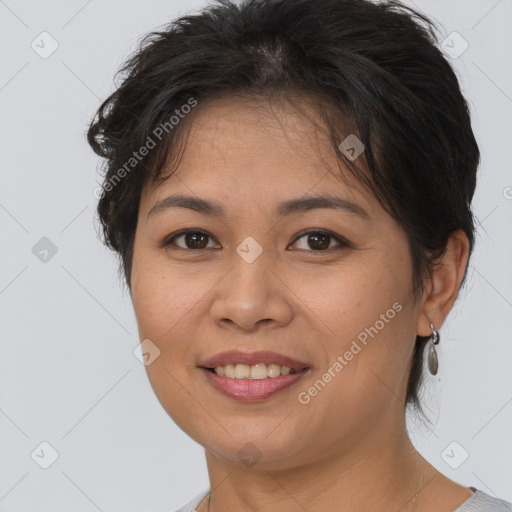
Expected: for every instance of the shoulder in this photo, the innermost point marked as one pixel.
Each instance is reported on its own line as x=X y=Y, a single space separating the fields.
x=191 y=505
x=483 y=502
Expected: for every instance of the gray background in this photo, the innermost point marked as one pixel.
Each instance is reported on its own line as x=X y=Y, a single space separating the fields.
x=69 y=376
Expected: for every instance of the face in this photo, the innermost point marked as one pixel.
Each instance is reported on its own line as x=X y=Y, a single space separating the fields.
x=323 y=288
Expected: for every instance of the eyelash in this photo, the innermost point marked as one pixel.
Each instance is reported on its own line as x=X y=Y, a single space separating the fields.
x=343 y=243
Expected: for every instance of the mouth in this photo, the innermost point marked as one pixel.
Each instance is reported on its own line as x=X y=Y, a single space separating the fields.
x=258 y=371
x=252 y=376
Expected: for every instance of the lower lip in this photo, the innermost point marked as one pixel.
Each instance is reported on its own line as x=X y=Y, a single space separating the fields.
x=249 y=390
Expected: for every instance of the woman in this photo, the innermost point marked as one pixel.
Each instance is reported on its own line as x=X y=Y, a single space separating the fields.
x=288 y=186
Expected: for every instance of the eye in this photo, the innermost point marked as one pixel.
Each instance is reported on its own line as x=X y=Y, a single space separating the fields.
x=319 y=240
x=190 y=239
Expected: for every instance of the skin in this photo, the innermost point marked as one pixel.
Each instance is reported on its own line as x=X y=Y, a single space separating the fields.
x=347 y=449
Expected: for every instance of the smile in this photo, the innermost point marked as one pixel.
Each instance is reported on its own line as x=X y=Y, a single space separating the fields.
x=243 y=376
x=252 y=389
x=254 y=372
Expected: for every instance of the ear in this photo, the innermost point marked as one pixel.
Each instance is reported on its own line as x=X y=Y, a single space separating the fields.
x=441 y=293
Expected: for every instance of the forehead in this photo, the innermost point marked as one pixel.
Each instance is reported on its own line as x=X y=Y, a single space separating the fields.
x=269 y=129
x=256 y=148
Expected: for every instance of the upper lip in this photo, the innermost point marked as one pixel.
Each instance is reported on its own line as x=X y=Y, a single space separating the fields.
x=252 y=358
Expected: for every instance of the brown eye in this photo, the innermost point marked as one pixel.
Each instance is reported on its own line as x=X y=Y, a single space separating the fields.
x=319 y=241
x=192 y=240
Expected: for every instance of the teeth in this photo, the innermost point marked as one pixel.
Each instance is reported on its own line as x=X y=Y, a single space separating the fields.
x=259 y=371
x=274 y=370
x=252 y=372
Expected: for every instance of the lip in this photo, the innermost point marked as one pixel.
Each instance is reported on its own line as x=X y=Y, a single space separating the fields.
x=252 y=358
x=252 y=390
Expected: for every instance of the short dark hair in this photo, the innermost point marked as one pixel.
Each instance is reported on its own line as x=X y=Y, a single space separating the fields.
x=373 y=69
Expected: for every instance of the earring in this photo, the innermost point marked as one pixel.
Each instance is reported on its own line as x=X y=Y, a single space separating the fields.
x=433 y=363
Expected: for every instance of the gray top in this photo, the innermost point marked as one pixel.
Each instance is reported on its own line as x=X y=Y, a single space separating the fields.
x=479 y=502
x=482 y=502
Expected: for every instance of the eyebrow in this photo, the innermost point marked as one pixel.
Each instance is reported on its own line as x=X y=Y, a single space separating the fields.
x=285 y=208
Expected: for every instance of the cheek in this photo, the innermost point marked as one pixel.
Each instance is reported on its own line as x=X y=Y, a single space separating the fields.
x=163 y=304
x=365 y=318
x=169 y=305
x=161 y=298
x=346 y=301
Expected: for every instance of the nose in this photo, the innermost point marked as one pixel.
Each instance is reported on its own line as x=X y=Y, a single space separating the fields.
x=252 y=297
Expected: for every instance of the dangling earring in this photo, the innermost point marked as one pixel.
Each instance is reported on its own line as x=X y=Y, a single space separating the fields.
x=433 y=363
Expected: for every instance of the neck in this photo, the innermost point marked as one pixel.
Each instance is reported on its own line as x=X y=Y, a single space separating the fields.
x=383 y=471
